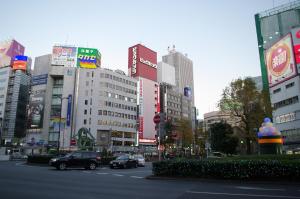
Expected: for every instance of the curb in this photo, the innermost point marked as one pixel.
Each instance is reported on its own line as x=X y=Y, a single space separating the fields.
x=212 y=180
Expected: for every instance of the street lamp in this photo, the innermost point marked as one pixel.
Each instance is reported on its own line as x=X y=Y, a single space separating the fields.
x=61 y=99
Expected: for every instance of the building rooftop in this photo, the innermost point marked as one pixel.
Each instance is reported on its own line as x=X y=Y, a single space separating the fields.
x=279 y=9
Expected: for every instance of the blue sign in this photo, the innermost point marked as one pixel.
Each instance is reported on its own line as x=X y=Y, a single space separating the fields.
x=21 y=58
x=39 y=79
x=69 y=110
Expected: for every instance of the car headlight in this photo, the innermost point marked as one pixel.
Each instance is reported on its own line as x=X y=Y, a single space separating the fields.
x=54 y=159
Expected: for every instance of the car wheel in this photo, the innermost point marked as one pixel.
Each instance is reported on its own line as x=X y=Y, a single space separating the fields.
x=92 y=166
x=136 y=165
x=62 y=166
x=124 y=166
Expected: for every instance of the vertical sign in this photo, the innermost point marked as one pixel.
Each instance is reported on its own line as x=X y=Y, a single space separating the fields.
x=69 y=110
x=158 y=99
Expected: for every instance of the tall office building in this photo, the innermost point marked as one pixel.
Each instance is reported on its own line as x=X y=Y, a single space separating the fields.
x=184 y=78
x=14 y=89
x=107 y=107
x=271 y=25
x=142 y=65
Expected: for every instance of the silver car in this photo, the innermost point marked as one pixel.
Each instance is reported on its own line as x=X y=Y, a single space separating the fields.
x=141 y=160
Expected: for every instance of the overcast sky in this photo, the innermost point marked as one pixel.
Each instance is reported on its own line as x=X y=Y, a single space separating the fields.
x=218 y=35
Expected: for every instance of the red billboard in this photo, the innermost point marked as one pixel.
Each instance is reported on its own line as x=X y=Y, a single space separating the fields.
x=142 y=62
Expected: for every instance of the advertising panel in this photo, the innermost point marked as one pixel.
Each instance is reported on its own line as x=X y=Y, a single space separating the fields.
x=187 y=92
x=39 y=79
x=142 y=62
x=8 y=50
x=88 y=58
x=280 y=61
x=36 y=109
x=141 y=109
x=20 y=62
x=64 y=56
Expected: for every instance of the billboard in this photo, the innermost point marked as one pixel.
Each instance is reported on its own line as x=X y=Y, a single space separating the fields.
x=64 y=56
x=187 y=91
x=142 y=62
x=8 y=50
x=20 y=62
x=280 y=61
x=88 y=58
x=69 y=110
x=141 y=108
x=36 y=109
x=39 y=79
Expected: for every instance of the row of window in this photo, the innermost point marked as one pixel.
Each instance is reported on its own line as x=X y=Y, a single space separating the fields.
x=177 y=99
x=116 y=123
x=116 y=87
x=286 y=102
x=116 y=114
x=121 y=97
x=286 y=86
x=174 y=105
x=173 y=112
x=118 y=79
x=119 y=143
x=120 y=106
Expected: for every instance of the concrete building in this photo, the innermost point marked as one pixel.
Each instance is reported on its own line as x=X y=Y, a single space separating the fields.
x=142 y=65
x=183 y=71
x=278 y=33
x=51 y=86
x=107 y=106
x=213 y=117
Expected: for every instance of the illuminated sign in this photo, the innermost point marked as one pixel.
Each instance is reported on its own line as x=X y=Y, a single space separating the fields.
x=20 y=62
x=88 y=58
x=280 y=61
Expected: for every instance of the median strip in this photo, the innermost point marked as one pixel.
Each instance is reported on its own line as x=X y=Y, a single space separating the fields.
x=241 y=194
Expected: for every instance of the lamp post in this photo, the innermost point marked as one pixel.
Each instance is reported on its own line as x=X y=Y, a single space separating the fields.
x=61 y=100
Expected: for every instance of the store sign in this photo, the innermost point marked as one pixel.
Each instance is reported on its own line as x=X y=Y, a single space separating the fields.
x=285 y=118
x=134 y=55
x=280 y=61
x=88 y=58
x=39 y=79
x=69 y=110
x=148 y=63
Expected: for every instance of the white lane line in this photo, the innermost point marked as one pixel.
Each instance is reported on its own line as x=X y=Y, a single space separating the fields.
x=138 y=177
x=119 y=175
x=258 y=188
x=241 y=194
x=102 y=173
x=86 y=172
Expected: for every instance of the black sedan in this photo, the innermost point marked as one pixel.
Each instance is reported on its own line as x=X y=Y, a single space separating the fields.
x=124 y=161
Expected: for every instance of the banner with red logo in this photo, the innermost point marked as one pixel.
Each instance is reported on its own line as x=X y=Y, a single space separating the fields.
x=280 y=61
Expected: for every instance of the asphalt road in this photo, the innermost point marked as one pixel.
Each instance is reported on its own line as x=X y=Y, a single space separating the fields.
x=29 y=182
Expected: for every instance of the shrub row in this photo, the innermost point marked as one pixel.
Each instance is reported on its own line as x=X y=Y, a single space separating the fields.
x=229 y=169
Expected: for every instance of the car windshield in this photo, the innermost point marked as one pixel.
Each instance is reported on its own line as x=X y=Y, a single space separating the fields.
x=122 y=158
x=68 y=155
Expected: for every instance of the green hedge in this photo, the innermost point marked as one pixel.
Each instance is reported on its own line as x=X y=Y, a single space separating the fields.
x=229 y=169
x=39 y=159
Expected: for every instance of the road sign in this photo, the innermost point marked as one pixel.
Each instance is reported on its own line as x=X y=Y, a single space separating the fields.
x=73 y=142
x=156 y=119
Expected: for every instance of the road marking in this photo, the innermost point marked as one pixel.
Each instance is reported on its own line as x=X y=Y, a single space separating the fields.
x=139 y=177
x=102 y=173
x=241 y=194
x=119 y=175
x=103 y=168
x=86 y=172
x=258 y=188
x=128 y=172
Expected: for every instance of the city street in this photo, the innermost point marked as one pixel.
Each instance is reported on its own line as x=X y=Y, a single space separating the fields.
x=18 y=180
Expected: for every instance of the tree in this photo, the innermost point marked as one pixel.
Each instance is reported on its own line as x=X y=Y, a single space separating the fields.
x=184 y=128
x=242 y=100
x=201 y=137
x=222 y=138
